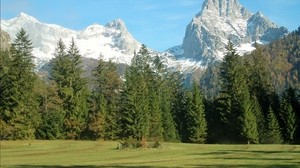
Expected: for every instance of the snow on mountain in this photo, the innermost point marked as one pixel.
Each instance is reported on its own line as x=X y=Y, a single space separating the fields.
x=111 y=42
x=220 y=20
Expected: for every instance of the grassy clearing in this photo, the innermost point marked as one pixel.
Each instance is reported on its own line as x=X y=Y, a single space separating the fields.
x=98 y=154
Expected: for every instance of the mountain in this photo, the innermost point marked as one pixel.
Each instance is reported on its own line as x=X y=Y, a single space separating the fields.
x=5 y=40
x=219 y=20
x=111 y=42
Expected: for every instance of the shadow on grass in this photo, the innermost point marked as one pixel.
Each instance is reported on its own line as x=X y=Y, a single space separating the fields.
x=76 y=166
x=225 y=152
x=248 y=166
x=200 y=166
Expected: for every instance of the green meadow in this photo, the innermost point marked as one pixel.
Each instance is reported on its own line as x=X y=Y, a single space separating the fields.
x=98 y=154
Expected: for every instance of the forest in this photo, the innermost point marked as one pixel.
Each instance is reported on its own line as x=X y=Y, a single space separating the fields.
x=248 y=100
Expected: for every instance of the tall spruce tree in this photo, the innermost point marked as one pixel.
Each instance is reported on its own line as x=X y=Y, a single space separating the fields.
x=19 y=110
x=195 y=117
x=288 y=117
x=236 y=104
x=155 y=96
x=135 y=115
x=67 y=72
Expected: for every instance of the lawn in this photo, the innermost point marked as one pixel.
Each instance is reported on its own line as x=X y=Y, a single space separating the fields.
x=99 y=154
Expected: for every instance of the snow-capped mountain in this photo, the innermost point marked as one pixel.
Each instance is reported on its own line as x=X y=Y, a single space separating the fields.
x=220 y=20
x=111 y=42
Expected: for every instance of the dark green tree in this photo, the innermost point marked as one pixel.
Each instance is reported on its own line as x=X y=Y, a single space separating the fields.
x=236 y=106
x=67 y=72
x=288 y=117
x=195 y=117
x=273 y=133
x=135 y=115
x=19 y=108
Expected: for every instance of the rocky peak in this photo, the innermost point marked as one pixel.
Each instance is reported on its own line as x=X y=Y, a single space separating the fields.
x=117 y=24
x=219 y=20
x=224 y=8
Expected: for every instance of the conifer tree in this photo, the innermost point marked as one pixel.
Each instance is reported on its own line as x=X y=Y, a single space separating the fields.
x=135 y=120
x=51 y=111
x=273 y=133
x=104 y=100
x=288 y=117
x=19 y=111
x=67 y=73
x=196 y=121
x=237 y=108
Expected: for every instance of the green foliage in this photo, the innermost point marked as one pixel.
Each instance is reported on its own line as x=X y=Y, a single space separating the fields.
x=67 y=73
x=273 y=133
x=288 y=116
x=51 y=111
x=195 y=117
x=135 y=115
x=19 y=109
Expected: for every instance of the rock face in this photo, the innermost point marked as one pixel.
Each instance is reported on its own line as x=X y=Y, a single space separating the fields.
x=4 y=40
x=219 y=20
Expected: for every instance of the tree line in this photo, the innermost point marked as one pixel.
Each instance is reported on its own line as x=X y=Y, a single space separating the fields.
x=149 y=103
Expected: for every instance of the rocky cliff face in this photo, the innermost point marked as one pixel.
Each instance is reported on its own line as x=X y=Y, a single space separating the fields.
x=4 y=40
x=219 y=20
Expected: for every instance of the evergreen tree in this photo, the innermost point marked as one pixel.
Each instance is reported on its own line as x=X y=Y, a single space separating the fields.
x=51 y=111
x=196 y=122
x=67 y=73
x=104 y=100
x=272 y=134
x=135 y=115
x=19 y=110
x=288 y=117
x=260 y=78
x=155 y=96
x=236 y=105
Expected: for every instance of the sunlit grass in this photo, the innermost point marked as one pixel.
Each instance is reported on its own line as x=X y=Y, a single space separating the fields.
x=98 y=154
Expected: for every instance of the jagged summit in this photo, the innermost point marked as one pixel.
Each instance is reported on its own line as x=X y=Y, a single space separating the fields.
x=219 y=20
x=224 y=8
x=117 y=24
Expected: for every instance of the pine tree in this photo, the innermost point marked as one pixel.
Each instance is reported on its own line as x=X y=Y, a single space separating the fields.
x=19 y=111
x=237 y=108
x=249 y=122
x=155 y=96
x=51 y=111
x=67 y=72
x=135 y=120
x=104 y=100
x=287 y=115
x=196 y=122
x=272 y=134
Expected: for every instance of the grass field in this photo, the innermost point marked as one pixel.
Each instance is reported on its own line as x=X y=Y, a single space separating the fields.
x=99 y=154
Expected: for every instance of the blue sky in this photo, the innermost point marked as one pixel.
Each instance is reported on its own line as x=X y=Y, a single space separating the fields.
x=159 y=24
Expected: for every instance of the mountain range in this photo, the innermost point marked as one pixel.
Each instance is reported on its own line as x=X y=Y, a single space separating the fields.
x=204 y=42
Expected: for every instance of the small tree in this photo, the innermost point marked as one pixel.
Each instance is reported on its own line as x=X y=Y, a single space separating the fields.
x=272 y=134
